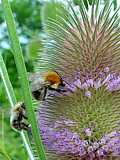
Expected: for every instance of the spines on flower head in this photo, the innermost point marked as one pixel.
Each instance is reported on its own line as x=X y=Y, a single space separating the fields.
x=84 y=48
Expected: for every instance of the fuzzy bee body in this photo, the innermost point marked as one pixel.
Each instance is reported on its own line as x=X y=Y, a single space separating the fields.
x=18 y=115
x=40 y=83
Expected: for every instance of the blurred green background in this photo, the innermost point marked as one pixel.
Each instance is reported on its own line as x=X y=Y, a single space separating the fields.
x=31 y=17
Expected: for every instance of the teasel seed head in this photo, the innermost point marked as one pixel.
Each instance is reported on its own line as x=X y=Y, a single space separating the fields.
x=83 y=122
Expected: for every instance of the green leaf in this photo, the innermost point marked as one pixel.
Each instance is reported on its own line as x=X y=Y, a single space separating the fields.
x=17 y=52
x=12 y=99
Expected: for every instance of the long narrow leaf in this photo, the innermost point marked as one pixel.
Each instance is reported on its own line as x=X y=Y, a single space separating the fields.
x=17 y=52
x=12 y=99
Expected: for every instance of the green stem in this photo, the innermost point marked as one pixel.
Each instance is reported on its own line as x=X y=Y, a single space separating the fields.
x=12 y=100
x=17 y=52
x=3 y=139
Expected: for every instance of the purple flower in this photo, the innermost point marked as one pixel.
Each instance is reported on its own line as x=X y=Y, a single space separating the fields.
x=63 y=141
x=88 y=132
x=88 y=94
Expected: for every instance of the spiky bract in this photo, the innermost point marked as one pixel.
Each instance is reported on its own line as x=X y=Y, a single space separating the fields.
x=84 y=48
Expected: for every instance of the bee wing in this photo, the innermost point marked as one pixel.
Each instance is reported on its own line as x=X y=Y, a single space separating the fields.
x=35 y=81
x=38 y=85
x=33 y=76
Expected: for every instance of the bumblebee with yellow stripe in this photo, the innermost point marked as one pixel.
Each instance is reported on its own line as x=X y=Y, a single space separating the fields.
x=42 y=82
x=18 y=117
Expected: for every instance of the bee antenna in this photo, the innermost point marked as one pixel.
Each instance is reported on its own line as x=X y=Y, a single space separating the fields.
x=56 y=72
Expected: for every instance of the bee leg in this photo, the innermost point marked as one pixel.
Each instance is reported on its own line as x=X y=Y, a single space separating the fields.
x=52 y=89
x=16 y=125
x=23 y=106
x=25 y=117
x=44 y=93
x=59 y=89
x=24 y=126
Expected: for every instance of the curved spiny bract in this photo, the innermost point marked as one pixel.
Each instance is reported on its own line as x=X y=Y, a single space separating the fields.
x=82 y=123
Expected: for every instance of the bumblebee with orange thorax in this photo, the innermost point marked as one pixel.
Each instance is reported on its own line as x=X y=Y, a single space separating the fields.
x=42 y=82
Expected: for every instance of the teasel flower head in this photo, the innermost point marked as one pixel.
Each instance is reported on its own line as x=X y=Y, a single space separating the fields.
x=84 y=121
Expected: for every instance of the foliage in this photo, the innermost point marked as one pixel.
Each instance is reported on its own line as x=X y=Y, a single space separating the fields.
x=29 y=24
x=22 y=73
x=9 y=60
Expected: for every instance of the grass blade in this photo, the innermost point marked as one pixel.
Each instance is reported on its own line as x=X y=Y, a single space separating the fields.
x=17 y=52
x=12 y=100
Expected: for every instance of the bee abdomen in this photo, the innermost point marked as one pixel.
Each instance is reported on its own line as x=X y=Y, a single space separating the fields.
x=16 y=125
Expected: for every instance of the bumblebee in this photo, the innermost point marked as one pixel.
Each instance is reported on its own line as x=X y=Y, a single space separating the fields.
x=42 y=82
x=18 y=117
